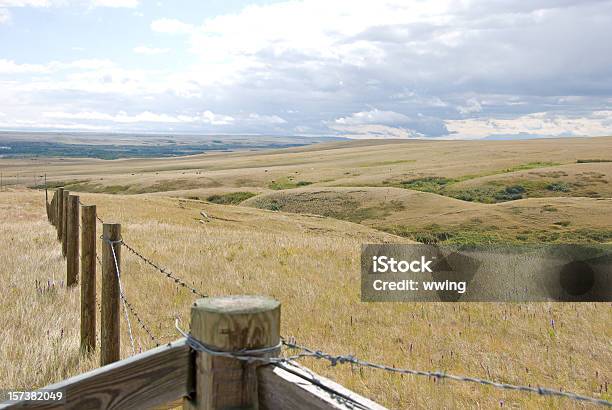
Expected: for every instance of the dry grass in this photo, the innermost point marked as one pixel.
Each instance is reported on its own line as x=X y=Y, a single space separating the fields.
x=311 y=265
x=411 y=213
x=356 y=163
x=39 y=340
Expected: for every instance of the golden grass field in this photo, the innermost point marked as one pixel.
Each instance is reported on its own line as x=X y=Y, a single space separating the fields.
x=311 y=263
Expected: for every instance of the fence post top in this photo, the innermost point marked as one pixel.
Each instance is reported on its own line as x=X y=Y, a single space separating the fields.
x=236 y=305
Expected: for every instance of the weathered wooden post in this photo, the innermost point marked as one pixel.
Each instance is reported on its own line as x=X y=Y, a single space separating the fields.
x=72 y=241
x=54 y=210
x=47 y=199
x=88 y=278
x=51 y=209
x=65 y=222
x=59 y=213
x=109 y=319
x=231 y=324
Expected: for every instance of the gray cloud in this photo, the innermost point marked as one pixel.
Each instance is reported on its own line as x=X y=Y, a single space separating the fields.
x=406 y=68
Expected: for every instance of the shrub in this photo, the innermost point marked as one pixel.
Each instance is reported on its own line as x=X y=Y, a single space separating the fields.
x=427 y=184
x=232 y=198
x=286 y=183
x=558 y=187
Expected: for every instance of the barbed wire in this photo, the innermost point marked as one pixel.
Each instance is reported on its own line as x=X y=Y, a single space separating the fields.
x=141 y=322
x=164 y=271
x=255 y=355
x=97 y=217
x=249 y=356
x=350 y=359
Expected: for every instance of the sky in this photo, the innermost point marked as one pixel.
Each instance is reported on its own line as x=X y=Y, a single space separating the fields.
x=453 y=69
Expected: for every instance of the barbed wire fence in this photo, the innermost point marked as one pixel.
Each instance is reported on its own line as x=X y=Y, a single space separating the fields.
x=127 y=305
x=307 y=352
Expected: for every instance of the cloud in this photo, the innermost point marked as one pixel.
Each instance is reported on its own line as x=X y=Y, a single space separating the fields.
x=216 y=119
x=5 y=16
x=377 y=122
x=471 y=106
x=116 y=3
x=150 y=50
x=597 y=123
x=374 y=116
x=171 y=26
x=10 y=67
x=206 y=117
x=255 y=118
x=26 y=3
x=376 y=132
x=401 y=68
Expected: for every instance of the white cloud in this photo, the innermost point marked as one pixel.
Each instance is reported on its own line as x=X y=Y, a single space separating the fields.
x=266 y=119
x=206 y=117
x=597 y=123
x=10 y=67
x=116 y=3
x=26 y=3
x=376 y=132
x=150 y=50
x=5 y=16
x=374 y=116
x=66 y=3
x=471 y=106
x=171 y=26
x=216 y=119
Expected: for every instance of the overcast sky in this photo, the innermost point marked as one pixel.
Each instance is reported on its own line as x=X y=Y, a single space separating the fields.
x=400 y=69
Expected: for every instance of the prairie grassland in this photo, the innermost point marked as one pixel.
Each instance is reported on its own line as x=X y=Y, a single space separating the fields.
x=417 y=214
x=311 y=264
x=355 y=163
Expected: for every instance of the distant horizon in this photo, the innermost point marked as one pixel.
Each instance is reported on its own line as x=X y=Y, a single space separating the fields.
x=163 y=134
x=389 y=69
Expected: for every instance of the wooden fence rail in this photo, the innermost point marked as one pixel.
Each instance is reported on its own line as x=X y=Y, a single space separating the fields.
x=174 y=374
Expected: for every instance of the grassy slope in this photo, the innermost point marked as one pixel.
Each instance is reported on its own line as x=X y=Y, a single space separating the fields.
x=311 y=265
x=362 y=163
x=418 y=214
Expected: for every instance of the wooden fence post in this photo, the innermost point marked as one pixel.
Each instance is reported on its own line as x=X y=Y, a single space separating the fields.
x=51 y=209
x=72 y=241
x=47 y=199
x=59 y=213
x=65 y=222
x=88 y=278
x=231 y=324
x=109 y=319
x=54 y=210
